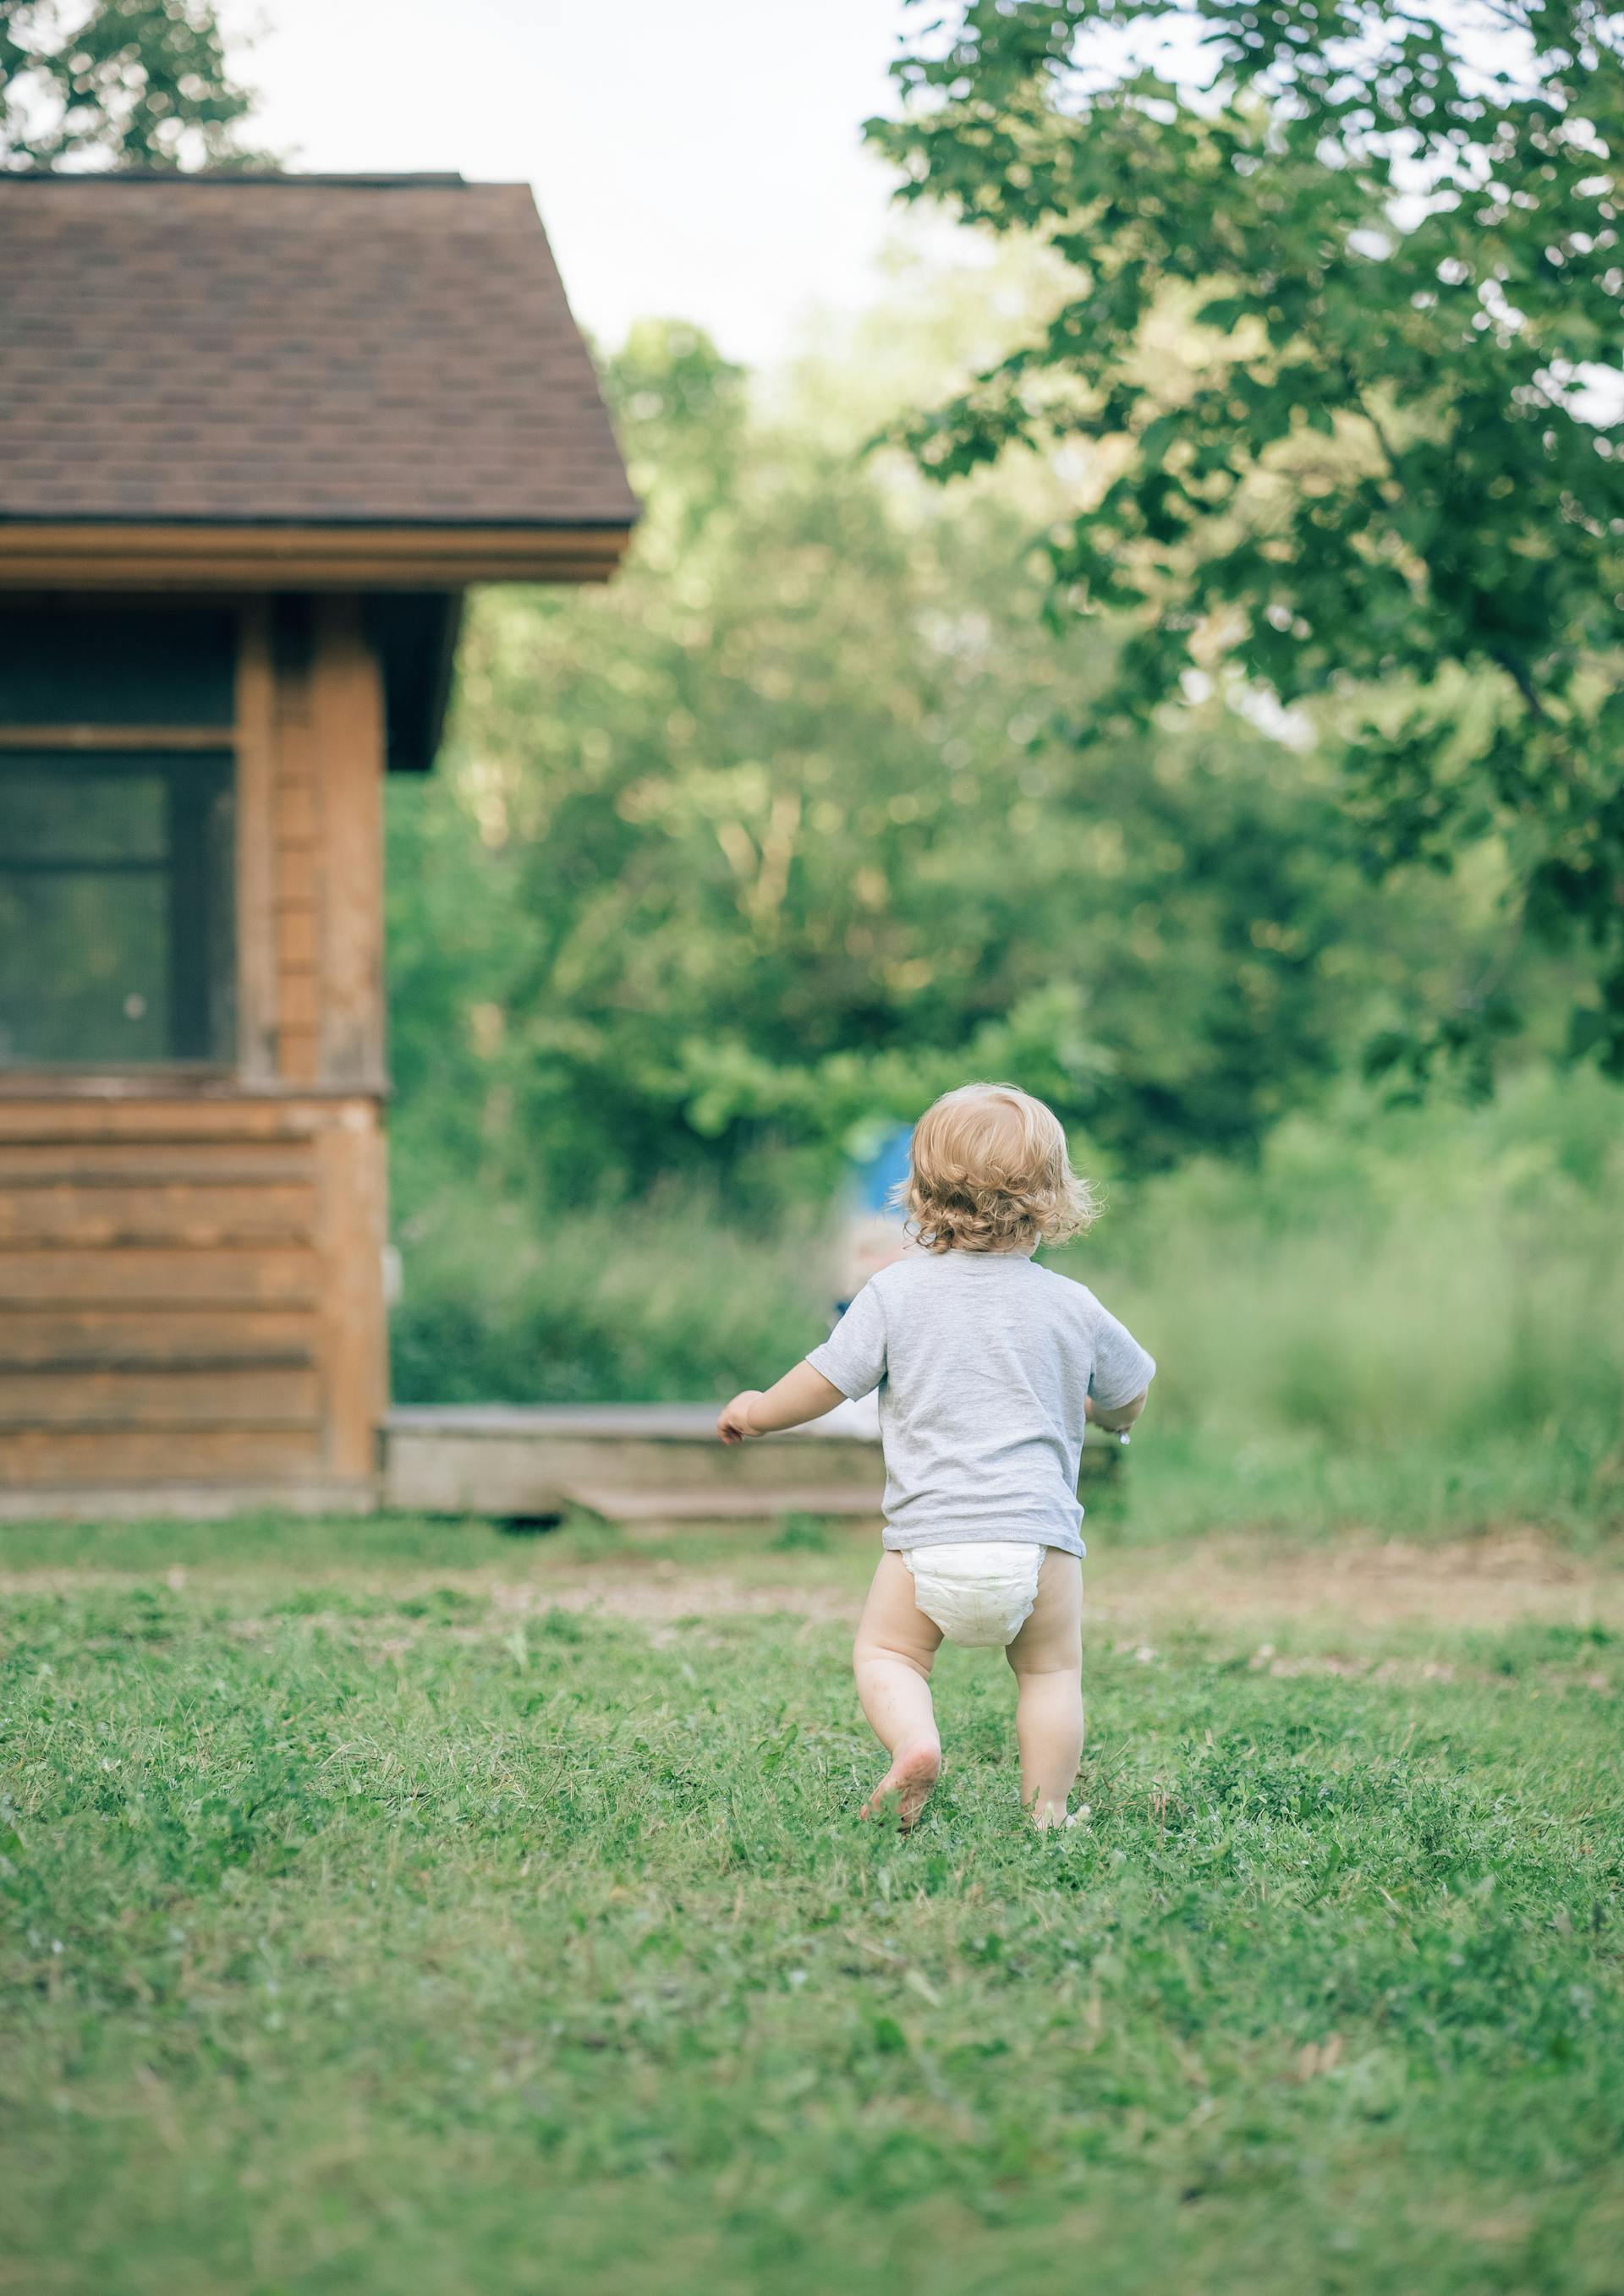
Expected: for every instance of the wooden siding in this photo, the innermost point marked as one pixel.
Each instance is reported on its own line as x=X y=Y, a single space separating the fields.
x=190 y=1291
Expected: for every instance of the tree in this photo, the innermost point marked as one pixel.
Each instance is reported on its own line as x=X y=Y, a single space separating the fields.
x=129 y=83
x=1336 y=358
x=764 y=840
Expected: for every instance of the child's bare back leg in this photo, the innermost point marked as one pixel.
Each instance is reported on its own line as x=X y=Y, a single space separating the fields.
x=1048 y=1659
x=895 y=1649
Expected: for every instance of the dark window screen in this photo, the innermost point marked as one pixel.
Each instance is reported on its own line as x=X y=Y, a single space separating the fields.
x=119 y=666
x=116 y=934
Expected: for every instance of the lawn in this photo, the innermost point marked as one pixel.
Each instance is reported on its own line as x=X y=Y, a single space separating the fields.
x=396 y=1907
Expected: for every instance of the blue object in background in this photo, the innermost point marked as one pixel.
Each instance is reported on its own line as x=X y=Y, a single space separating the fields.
x=872 y=1230
x=878 y=1175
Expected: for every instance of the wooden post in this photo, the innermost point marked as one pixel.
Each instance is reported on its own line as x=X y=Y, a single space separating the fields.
x=346 y=748
x=347 y=739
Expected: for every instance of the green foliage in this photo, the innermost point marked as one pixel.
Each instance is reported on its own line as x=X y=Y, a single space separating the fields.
x=662 y=1300
x=393 y=1928
x=132 y=83
x=1411 y=1316
x=768 y=838
x=1333 y=362
x=1386 y=1279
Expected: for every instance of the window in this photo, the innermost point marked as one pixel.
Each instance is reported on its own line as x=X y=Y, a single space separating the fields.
x=73 y=664
x=116 y=932
x=117 y=941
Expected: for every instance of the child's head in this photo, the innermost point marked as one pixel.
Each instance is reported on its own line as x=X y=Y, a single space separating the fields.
x=989 y=1172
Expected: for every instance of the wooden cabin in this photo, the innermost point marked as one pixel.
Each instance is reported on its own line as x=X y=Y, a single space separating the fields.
x=257 y=434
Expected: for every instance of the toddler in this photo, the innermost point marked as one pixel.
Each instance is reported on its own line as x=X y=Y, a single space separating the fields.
x=987 y=1369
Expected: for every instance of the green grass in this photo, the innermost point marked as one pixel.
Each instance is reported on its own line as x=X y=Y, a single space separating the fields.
x=368 y=1929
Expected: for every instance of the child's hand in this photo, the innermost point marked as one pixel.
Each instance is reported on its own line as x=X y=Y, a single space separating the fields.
x=735 y=1422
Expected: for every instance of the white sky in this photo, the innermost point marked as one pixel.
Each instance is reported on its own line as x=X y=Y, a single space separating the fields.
x=693 y=158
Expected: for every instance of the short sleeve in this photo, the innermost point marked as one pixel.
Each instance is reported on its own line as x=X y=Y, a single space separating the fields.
x=1122 y=1369
x=853 y=1356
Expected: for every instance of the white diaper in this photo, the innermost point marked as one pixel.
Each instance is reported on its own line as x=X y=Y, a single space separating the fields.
x=979 y=1591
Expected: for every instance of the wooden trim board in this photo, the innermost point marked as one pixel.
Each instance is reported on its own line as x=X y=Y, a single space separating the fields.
x=257 y=1015
x=37 y=554
x=222 y=738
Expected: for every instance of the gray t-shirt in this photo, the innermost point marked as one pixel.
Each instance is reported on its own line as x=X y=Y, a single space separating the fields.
x=982 y=1360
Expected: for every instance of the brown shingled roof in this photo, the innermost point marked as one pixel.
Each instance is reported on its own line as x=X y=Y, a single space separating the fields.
x=226 y=351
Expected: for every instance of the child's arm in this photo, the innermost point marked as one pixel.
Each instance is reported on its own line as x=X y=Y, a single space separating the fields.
x=800 y=1394
x=1121 y=1367
x=1117 y=1422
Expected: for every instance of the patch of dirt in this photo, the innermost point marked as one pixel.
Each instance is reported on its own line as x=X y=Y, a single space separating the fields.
x=1487 y=1582
x=1230 y=1584
x=664 y=1594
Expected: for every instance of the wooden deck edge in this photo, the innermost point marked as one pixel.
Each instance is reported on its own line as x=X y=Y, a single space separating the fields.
x=723 y=1505
x=630 y=1463
x=687 y=1425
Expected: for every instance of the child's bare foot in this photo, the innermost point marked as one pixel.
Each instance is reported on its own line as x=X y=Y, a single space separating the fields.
x=905 y=1787
x=1052 y=1817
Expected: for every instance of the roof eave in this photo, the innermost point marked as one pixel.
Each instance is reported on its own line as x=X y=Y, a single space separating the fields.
x=116 y=554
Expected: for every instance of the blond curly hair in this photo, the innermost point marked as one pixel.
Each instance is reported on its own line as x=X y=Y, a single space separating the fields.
x=988 y=1171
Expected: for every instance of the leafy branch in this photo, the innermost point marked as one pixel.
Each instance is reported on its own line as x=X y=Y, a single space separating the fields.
x=1347 y=220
